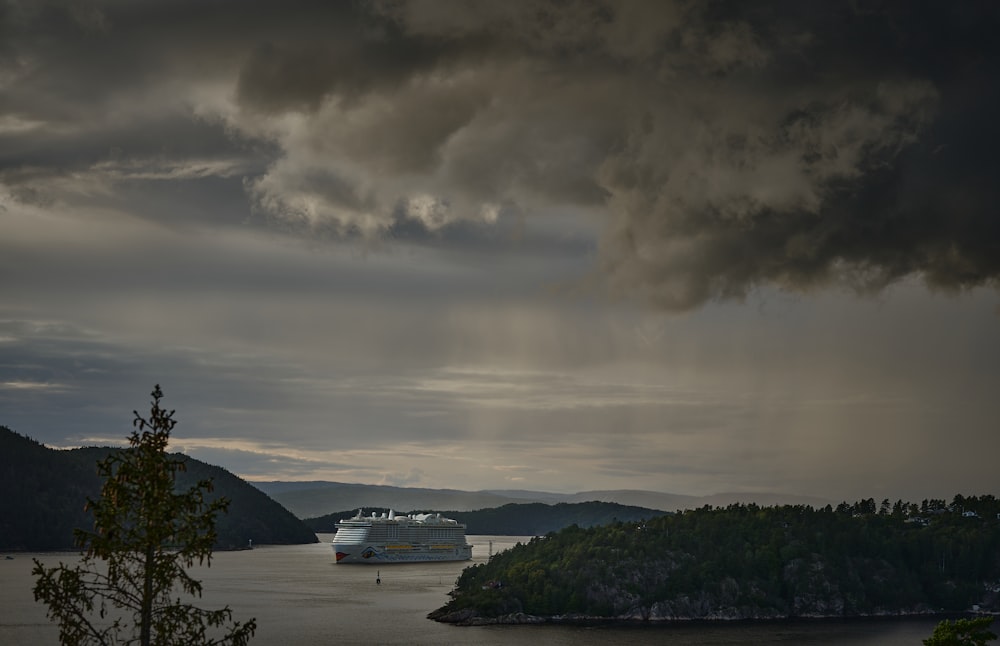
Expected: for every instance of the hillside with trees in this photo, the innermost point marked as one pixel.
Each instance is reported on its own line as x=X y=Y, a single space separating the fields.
x=44 y=492
x=748 y=562
x=525 y=519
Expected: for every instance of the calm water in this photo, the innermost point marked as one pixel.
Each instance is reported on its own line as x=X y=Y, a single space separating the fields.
x=301 y=598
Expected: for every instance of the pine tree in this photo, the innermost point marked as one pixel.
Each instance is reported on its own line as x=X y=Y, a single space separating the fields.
x=133 y=563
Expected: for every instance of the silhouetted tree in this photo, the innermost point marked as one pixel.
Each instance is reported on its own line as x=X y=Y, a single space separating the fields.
x=145 y=534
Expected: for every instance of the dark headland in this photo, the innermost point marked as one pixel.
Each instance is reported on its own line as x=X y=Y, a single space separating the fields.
x=45 y=491
x=746 y=562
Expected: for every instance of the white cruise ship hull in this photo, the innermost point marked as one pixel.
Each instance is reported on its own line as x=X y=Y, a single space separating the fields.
x=354 y=553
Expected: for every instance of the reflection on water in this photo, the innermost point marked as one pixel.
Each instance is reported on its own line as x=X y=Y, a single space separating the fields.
x=300 y=597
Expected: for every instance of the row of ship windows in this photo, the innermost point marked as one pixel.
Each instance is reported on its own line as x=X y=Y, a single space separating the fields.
x=398 y=532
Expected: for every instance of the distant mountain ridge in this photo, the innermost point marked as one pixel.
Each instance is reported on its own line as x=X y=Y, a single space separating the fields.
x=520 y=519
x=43 y=492
x=319 y=498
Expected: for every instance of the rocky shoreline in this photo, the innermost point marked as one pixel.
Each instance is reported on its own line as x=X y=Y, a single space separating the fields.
x=470 y=617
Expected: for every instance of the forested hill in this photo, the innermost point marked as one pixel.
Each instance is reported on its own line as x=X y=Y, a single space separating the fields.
x=527 y=519
x=748 y=562
x=43 y=492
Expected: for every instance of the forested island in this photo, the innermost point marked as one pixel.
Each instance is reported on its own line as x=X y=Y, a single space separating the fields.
x=747 y=562
x=45 y=491
x=520 y=519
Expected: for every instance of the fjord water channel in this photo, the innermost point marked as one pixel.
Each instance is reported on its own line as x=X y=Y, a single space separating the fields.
x=300 y=597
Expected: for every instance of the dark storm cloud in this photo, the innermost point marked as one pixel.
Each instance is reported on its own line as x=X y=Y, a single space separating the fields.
x=736 y=146
x=870 y=163
x=347 y=61
x=732 y=146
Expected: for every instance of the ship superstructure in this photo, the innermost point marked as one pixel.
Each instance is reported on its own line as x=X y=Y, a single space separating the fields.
x=395 y=538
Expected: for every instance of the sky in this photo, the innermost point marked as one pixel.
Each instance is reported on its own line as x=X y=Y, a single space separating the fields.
x=681 y=246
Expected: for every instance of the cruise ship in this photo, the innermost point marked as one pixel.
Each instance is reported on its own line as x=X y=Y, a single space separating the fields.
x=392 y=538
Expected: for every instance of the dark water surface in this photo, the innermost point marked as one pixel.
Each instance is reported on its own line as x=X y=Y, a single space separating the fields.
x=300 y=597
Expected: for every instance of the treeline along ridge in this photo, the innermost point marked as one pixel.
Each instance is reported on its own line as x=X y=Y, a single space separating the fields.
x=745 y=562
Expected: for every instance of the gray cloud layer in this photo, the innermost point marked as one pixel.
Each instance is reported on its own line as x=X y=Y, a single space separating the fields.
x=733 y=146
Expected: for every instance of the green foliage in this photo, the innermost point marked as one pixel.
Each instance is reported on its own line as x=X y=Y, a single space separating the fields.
x=962 y=632
x=746 y=561
x=145 y=535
